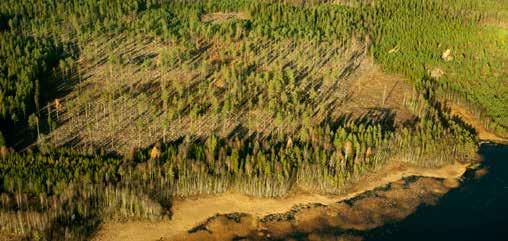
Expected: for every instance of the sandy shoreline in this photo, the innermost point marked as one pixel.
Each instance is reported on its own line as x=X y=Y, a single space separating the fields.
x=484 y=134
x=191 y=212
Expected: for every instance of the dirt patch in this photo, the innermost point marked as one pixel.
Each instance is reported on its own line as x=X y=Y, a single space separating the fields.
x=189 y=213
x=378 y=95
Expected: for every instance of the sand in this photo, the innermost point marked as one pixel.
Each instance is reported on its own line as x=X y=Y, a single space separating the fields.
x=192 y=212
x=468 y=117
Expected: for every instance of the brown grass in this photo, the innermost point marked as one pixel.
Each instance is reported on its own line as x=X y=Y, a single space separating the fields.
x=375 y=93
x=496 y=22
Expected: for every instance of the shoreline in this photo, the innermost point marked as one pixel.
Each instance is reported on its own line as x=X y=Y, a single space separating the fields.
x=189 y=213
x=484 y=135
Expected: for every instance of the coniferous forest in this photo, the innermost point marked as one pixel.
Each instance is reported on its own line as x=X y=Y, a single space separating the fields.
x=111 y=109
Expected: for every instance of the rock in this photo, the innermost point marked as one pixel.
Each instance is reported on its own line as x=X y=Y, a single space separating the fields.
x=447 y=55
x=451 y=183
x=480 y=173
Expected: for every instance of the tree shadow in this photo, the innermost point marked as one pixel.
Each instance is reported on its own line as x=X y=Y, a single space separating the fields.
x=4 y=22
x=374 y=116
x=74 y=224
x=140 y=59
x=378 y=115
x=51 y=87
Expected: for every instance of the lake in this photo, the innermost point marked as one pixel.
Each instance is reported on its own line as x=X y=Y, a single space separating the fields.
x=477 y=210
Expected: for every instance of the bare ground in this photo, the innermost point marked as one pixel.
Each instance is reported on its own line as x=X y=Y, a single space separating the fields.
x=483 y=133
x=375 y=93
x=191 y=212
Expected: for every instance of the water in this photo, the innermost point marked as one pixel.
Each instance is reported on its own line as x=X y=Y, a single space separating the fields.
x=477 y=210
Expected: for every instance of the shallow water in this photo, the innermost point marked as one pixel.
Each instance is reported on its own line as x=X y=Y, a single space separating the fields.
x=477 y=210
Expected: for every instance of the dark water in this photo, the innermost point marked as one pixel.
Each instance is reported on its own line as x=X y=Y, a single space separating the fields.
x=477 y=210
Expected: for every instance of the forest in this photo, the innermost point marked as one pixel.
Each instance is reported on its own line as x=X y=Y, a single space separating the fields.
x=111 y=109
